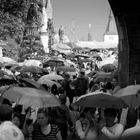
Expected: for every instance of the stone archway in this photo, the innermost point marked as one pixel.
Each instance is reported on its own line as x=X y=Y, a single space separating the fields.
x=127 y=16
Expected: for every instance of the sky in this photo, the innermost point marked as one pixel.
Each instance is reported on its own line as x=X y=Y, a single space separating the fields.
x=76 y=15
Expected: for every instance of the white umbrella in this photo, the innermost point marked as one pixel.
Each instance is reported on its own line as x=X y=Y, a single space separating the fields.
x=60 y=46
x=52 y=77
x=7 y=60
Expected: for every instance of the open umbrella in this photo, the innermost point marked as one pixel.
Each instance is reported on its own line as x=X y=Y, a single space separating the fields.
x=29 y=83
x=100 y=99
x=6 y=81
x=53 y=61
x=31 y=97
x=60 y=46
x=81 y=55
x=16 y=68
x=49 y=83
x=85 y=60
x=65 y=69
x=52 y=77
x=108 y=68
x=31 y=69
x=130 y=94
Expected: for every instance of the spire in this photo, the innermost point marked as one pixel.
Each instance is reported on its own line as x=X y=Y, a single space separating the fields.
x=89 y=33
x=49 y=9
x=111 y=27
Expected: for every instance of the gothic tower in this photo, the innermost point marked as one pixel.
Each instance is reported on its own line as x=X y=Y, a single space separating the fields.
x=49 y=10
x=111 y=35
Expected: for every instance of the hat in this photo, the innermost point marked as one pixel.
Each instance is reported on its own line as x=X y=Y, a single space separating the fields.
x=8 y=131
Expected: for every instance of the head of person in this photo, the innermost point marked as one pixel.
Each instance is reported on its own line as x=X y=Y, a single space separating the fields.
x=62 y=98
x=16 y=119
x=82 y=73
x=43 y=116
x=110 y=116
x=5 y=113
x=115 y=81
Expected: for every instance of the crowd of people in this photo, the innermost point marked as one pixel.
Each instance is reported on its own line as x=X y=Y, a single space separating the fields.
x=70 y=121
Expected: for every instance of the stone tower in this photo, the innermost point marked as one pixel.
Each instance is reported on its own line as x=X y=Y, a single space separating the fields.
x=111 y=35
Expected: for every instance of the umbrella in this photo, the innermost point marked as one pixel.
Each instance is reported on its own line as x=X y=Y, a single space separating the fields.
x=9 y=65
x=31 y=69
x=108 y=68
x=130 y=94
x=52 y=77
x=7 y=60
x=32 y=62
x=102 y=76
x=65 y=69
x=49 y=83
x=100 y=99
x=60 y=46
x=29 y=82
x=8 y=81
x=16 y=68
x=54 y=61
x=85 y=60
x=82 y=55
x=31 y=97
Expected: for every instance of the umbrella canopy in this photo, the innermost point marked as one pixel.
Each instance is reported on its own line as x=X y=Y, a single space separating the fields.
x=49 y=83
x=65 y=69
x=8 y=81
x=7 y=60
x=31 y=97
x=15 y=68
x=130 y=94
x=29 y=83
x=85 y=60
x=81 y=55
x=108 y=68
x=31 y=69
x=32 y=62
x=100 y=99
x=52 y=77
x=53 y=61
x=60 y=46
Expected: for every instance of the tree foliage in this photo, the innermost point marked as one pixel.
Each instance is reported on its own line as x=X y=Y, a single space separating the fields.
x=13 y=16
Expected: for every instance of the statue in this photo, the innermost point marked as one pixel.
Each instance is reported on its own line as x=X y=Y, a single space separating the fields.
x=44 y=23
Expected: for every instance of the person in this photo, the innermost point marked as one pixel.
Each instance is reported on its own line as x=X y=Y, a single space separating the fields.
x=111 y=128
x=8 y=131
x=16 y=119
x=61 y=116
x=43 y=129
x=66 y=85
x=81 y=84
x=116 y=85
x=86 y=126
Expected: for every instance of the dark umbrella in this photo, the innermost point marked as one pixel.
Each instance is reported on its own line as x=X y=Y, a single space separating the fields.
x=108 y=68
x=53 y=61
x=100 y=99
x=65 y=69
x=85 y=60
x=7 y=82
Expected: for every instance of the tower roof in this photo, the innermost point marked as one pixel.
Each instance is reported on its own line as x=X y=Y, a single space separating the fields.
x=49 y=9
x=111 y=26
